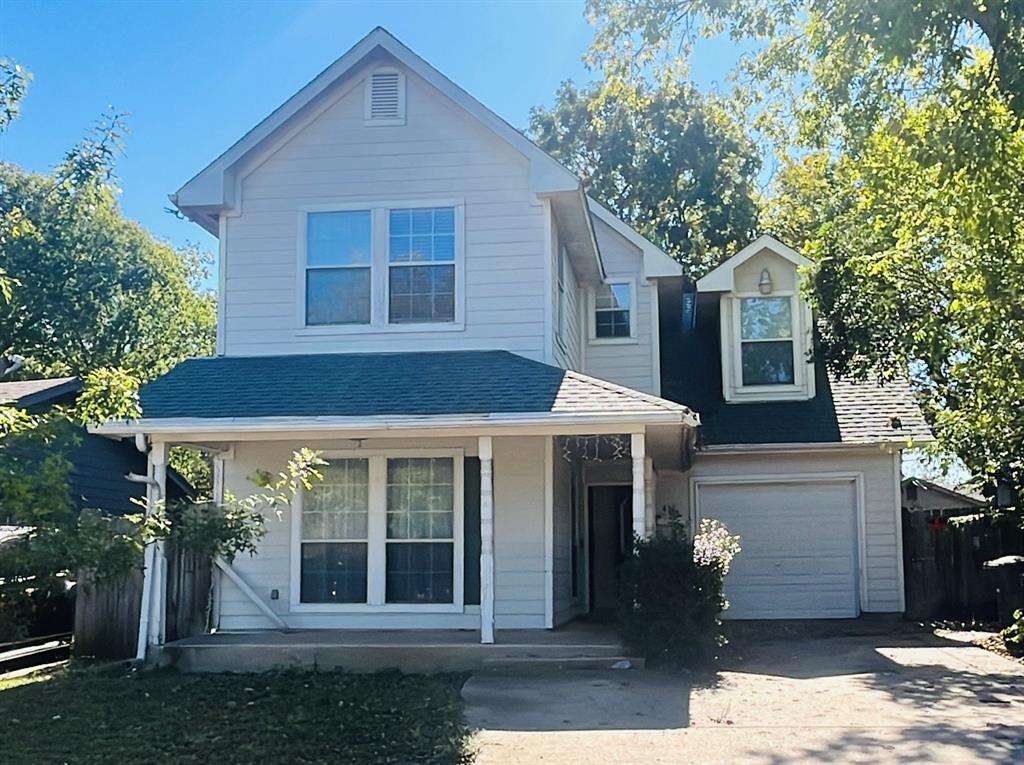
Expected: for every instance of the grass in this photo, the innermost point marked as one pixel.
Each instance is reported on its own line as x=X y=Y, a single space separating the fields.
x=88 y=717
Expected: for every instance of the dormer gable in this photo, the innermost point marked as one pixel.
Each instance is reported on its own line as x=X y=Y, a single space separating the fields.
x=766 y=326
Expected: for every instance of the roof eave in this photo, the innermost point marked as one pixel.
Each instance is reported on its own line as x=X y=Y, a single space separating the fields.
x=284 y=424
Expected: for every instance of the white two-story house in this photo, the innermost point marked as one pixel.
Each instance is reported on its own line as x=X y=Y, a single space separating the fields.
x=507 y=381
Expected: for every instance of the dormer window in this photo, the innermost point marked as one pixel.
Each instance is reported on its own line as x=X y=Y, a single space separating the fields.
x=766 y=341
x=385 y=97
x=766 y=327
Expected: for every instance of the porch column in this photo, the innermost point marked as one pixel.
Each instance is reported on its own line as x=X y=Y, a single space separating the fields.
x=151 y=614
x=485 y=449
x=638 y=452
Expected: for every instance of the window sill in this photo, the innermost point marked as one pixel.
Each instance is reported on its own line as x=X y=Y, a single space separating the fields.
x=386 y=608
x=377 y=329
x=763 y=393
x=614 y=340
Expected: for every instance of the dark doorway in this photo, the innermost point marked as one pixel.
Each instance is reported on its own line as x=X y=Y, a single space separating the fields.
x=610 y=542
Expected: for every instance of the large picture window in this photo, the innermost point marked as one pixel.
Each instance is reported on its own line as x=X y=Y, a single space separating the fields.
x=382 y=530
x=766 y=341
x=338 y=264
x=421 y=265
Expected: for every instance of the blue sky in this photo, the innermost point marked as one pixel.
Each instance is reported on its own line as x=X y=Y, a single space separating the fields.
x=195 y=76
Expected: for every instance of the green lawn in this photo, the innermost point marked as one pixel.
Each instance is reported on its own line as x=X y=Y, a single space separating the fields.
x=83 y=717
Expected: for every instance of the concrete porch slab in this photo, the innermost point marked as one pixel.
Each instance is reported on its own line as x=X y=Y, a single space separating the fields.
x=577 y=646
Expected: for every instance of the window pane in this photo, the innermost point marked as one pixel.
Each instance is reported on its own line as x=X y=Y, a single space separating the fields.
x=422 y=235
x=333 y=572
x=338 y=296
x=422 y=293
x=612 y=296
x=420 y=498
x=338 y=238
x=766 y=318
x=612 y=324
x=336 y=508
x=769 y=363
x=419 y=572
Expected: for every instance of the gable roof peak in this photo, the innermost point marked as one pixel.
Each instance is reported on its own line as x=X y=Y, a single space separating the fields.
x=721 y=278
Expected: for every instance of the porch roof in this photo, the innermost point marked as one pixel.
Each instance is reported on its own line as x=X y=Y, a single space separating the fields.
x=401 y=385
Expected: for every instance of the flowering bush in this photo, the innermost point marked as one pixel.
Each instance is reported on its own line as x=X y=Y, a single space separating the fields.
x=672 y=595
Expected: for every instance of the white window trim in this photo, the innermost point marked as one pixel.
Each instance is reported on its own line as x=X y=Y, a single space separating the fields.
x=802 y=387
x=368 y=98
x=379 y=269
x=377 y=539
x=592 y=311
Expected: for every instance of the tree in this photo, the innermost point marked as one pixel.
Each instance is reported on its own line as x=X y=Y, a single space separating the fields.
x=668 y=161
x=14 y=81
x=901 y=180
x=94 y=289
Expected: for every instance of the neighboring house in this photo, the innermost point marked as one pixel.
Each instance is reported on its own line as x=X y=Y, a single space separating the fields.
x=920 y=495
x=98 y=465
x=499 y=373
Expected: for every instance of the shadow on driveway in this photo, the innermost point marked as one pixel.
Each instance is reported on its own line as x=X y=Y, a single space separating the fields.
x=897 y=695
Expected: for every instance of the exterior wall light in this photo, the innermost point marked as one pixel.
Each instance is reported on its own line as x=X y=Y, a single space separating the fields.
x=764 y=284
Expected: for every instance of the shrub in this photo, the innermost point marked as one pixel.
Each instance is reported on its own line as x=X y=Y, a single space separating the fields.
x=1013 y=636
x=672 y=595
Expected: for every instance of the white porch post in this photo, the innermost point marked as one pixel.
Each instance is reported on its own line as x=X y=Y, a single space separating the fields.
x=638 y=452
x=485 y=450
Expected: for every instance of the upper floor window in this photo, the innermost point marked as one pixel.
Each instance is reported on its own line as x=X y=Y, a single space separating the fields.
x=338 y=267
x=766 y=341
x=421 y=265
x=613 y=309
x=379 y=267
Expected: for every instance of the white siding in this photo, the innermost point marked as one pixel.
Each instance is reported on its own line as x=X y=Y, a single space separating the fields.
x=626 y=363
x=519 y=542
x=882 y=554
x=440 y=153
x=519 y=556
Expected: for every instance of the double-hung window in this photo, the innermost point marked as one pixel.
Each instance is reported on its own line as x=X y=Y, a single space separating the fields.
x=612 y=310
x=382 y=530
x=421 y=265
x=338 y=267
x=766 y=341
x=563 y=308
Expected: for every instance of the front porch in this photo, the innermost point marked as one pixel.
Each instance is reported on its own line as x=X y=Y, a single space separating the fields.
x=576 y=645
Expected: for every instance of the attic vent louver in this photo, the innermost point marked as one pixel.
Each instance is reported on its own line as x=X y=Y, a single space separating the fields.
x=385 y=98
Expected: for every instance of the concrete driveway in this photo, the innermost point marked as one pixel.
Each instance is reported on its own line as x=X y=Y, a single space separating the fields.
x=908 y=697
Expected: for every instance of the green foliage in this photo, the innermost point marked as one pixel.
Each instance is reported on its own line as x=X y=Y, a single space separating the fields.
x=675 y=165
x=672 y=595
x=237 y=524
x=1013 y=636
x=14 y=80
x=164 y=717
x=93 y=288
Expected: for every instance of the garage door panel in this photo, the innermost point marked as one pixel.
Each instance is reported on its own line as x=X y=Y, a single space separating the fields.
x=799 y=556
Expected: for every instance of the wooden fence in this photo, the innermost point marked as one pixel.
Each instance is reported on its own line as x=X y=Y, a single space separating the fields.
x=107 y=613
x=943 y=564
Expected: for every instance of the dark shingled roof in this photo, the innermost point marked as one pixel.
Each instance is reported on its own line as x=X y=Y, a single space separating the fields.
x=840 y=412
x=29 y=394
x=371 y=384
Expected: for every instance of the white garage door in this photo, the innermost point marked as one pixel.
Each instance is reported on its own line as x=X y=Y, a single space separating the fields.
x=799 y=540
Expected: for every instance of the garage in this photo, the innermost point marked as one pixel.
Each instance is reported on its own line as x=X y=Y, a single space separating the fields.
x=799 y=540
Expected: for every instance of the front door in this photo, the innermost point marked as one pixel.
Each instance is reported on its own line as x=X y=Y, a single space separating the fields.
x=610 y=542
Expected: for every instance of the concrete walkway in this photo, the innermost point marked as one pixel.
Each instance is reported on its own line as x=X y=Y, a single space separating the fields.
x=903 y=698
